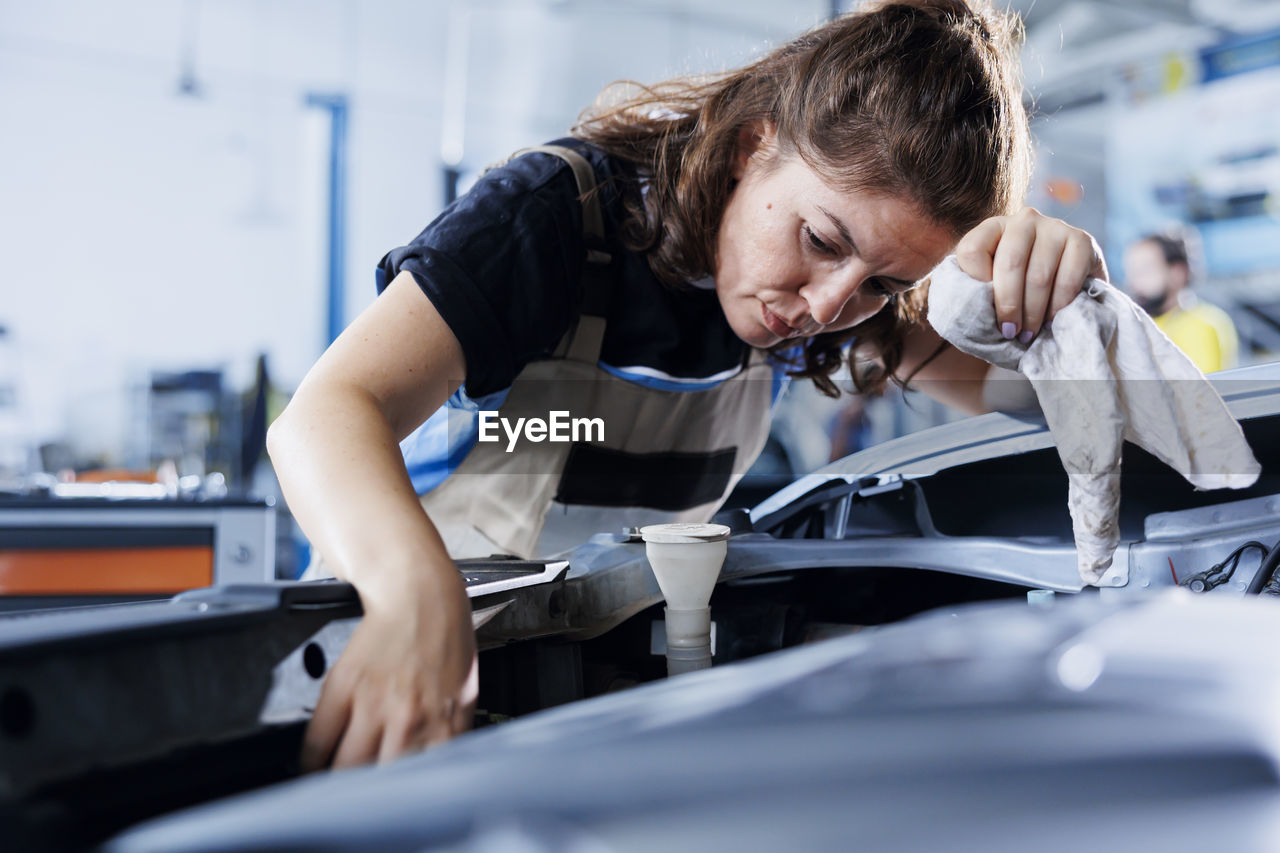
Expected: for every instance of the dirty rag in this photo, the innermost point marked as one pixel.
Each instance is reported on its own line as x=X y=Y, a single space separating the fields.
x=1103 y=373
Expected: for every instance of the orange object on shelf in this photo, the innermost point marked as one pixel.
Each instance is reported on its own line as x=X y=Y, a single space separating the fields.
x=105 y=571
x=116 y=475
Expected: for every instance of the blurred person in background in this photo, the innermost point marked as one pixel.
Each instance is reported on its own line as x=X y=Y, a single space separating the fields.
x=1158 y=274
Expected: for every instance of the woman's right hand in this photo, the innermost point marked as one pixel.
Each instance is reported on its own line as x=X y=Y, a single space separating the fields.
x=407 y=680
x=408 y=676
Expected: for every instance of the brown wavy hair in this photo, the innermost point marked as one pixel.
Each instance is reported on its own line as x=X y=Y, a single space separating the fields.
x=918 y=99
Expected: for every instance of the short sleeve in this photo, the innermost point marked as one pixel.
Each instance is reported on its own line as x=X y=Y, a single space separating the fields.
x=502 y=265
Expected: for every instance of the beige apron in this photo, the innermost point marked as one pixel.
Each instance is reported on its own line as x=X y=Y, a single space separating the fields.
x=666 y=456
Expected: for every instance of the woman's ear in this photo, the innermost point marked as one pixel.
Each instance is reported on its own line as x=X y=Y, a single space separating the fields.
x=758 y=140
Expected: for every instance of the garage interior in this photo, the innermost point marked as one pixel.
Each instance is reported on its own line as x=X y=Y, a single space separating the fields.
x=195 y=196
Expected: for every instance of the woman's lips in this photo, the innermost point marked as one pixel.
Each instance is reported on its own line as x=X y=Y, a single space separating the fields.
x=776 y=324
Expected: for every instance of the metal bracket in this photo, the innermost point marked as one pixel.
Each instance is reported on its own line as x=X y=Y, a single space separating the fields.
x=1118 y=574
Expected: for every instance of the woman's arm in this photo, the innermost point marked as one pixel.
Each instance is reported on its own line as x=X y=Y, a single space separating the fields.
x=951 y=377
x=408 y=676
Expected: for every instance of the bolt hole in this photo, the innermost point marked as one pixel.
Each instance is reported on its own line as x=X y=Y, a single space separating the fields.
x=313 y=660
x=17 y=713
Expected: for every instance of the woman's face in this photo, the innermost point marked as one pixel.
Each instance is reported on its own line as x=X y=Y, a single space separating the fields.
x=795 y=257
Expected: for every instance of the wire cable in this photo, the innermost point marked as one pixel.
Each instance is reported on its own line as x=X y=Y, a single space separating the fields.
x=1220 y=573
x=1265 y=571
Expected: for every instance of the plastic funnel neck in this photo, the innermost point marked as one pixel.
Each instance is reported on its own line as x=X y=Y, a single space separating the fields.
x=688 y=640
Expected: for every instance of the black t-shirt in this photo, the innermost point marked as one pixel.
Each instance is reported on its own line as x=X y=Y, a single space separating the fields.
x=503 y=266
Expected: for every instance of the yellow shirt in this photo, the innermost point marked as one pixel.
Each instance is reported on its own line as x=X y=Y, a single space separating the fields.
x=1204 y=332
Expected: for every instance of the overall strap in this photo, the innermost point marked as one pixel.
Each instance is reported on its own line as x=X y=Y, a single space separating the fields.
x=583 y=341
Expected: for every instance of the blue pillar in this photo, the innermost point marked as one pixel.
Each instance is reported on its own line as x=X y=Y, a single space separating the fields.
x=336 y=105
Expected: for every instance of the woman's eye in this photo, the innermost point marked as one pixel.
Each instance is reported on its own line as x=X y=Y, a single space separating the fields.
x=817 y=243
x=880 y=288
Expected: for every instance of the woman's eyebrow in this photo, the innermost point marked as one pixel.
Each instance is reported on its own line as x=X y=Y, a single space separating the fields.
x=840 y=229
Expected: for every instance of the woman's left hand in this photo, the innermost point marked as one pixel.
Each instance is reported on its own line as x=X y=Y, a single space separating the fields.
x=1038 y=264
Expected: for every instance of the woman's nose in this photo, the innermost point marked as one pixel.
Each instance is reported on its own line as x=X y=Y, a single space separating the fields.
x=827 y=293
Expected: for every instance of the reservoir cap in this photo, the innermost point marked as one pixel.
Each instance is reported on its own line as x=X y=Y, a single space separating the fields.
x=684 y=533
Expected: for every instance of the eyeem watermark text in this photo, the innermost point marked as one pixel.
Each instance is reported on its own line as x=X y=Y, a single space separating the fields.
x=557 y=427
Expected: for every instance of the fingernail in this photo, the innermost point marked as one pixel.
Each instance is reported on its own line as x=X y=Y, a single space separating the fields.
x=1026 y=336
x=1008 y=330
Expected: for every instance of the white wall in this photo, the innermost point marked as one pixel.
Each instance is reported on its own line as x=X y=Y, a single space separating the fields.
x=143 y=229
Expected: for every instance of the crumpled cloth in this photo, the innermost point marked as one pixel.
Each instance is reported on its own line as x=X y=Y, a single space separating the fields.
x=1103 y=373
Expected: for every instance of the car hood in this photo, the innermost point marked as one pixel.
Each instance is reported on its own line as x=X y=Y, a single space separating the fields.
x=996 y=727
x=1249 y=392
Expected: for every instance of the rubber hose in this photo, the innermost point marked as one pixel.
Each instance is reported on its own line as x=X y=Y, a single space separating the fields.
x=1265 y=571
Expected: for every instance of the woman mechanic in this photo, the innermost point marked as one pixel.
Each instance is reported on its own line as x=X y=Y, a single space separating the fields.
x=759 y=222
